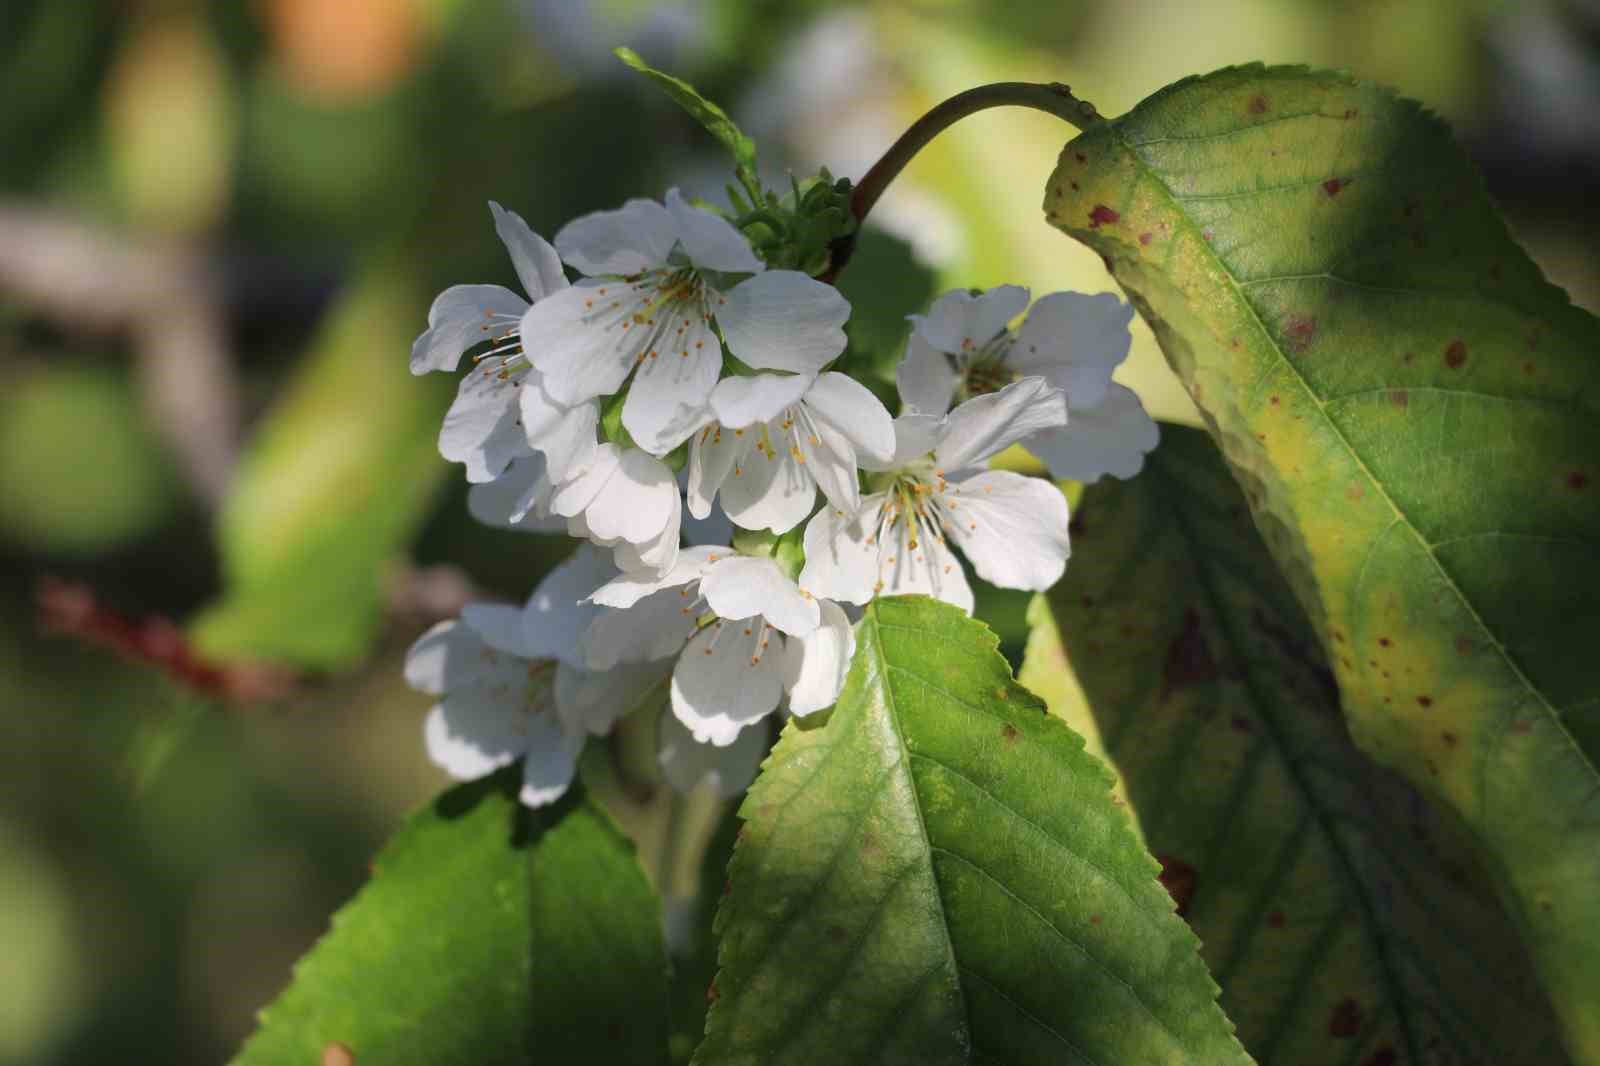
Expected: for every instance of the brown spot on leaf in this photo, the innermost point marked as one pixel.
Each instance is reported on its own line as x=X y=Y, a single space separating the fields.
x=1180 y=880
x=1577 y=481
x=1449 y=738
x=1241 y=724
x=1073 y=184
x=1144 y=238
x=1522 y=727
x=1189 y=660
x=1346 y=1019
x=1258 y=104
x=712 y=995
x=1424 y=701
x=1384 y=642
x=1527 y=368
x=1008 y=733
x=1274 y=400
x=338 y=1054
x=1300 y=332
x=1334 y=186
x=1350 y=113
x=1465 y=646
x=1455 y=355
x=1094 y=919
x=1080 y=157
x=1400 y=398
x=1101 y=216
x=837 y=934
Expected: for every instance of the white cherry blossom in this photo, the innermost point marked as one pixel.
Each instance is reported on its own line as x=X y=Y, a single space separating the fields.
x=500 y=407
x=511 y=684
x=963 y=348
x=745 y=637
x=663 y=282
x=623 y=499
x=777 y=440
x=934 y=494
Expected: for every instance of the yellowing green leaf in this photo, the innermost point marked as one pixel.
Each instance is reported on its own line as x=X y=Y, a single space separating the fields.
x=1414 y=414
x=1331 y=901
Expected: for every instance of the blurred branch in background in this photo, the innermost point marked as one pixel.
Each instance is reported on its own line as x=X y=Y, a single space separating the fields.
x=164 y=298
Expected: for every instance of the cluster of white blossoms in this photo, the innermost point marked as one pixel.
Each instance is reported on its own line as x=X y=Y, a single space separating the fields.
x=679 y=372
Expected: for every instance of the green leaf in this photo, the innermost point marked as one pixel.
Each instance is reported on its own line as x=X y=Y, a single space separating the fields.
x=1412 y=412
x=708 y=114
x=1331 y=901
x=487 y=932
x=336 y=483
x=938 y=875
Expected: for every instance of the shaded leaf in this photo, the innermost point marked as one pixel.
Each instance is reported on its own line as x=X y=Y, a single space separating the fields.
x=1331 y=900
x=938 y=875
x=1412 y=412
x=488 y=932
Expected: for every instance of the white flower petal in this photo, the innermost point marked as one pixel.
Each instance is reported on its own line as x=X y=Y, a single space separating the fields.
x=986 y=425
x=557 y=614
x=783 y=320
x=499 y=626
x=915 y=435
x=480 y=429
x=1074 y=341
x=712 y=456
x=725 y=680
x=654 y=627
x=537 y=264
x=585 y=340
x=517 y=499
x=830 y=459
x=925 y=378
x=739 y=402
x=592 y=701
x=960 y=323
x=565 y=435
x=710 y=240
x=747 y=586
x=657 y=555
x=916 y=561
x=463 y=316
x=769 y=489
x=853 y=410
x=572 y=498
x=818 y=662
x=1111 y=438
x=478 y=730
x=669 y=396
x=1013 y=528
x=630 y=240
x=447 y=656
x=552 y=760
x=629 y=587
x=842 y=552
x=688 y=764
x=637 y=502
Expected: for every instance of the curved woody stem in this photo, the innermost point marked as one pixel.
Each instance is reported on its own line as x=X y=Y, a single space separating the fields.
x=1053 y=98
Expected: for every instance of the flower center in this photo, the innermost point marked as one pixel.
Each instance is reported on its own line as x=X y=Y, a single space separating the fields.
x=987 y=370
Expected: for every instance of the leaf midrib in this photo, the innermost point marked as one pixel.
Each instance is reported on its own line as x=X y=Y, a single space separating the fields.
x=1550 y=712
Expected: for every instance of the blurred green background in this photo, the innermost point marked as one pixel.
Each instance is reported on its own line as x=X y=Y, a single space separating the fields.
x=220 y=228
